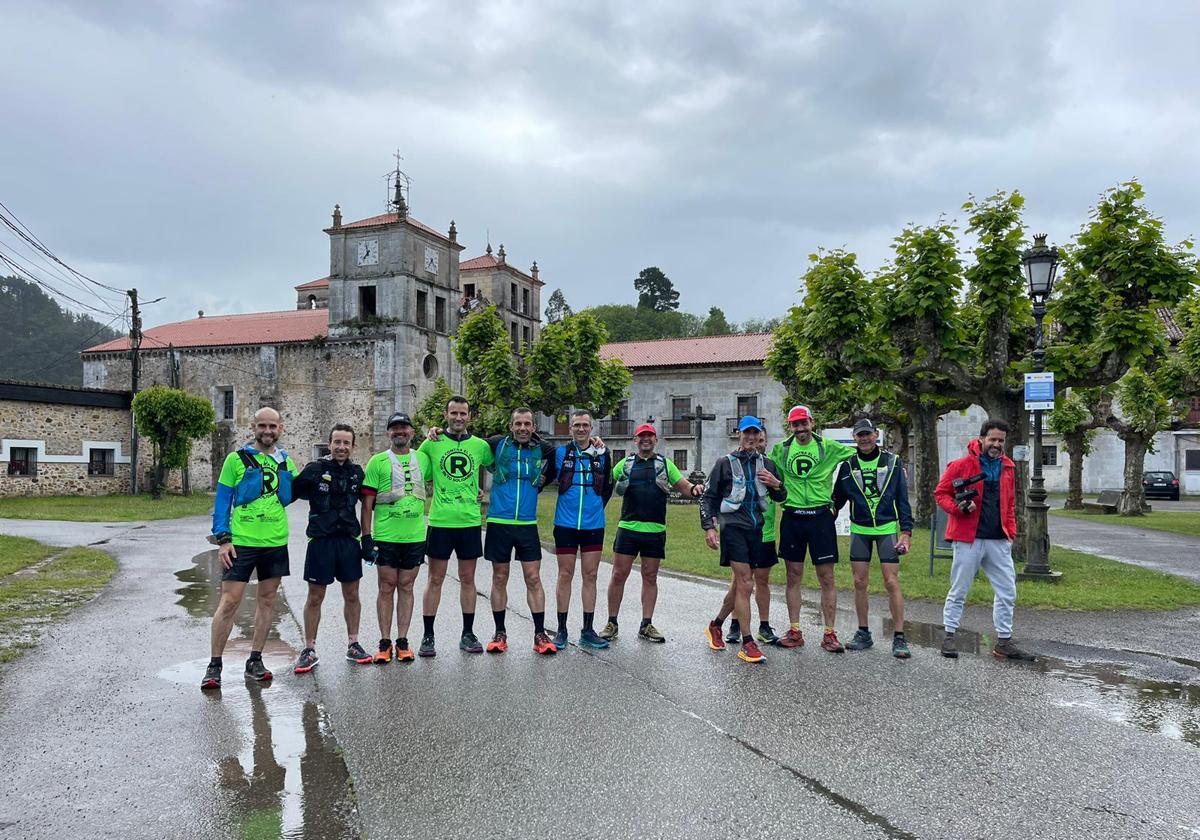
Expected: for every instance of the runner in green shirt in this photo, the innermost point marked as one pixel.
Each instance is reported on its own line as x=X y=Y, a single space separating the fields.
x=644 y=480
x=250 y=528
x=808 y=463
x=452 y=463
x=393 y=527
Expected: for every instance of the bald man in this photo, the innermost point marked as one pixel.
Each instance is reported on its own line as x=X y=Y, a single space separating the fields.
x=250 y=529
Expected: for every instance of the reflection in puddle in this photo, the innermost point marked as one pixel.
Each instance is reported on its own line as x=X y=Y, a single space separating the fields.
x=1171 y=709
x=289 y=780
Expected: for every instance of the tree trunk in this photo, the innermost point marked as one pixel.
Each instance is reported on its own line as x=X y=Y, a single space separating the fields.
x=1133 y=497
x=925 y=463
x=1074 y=442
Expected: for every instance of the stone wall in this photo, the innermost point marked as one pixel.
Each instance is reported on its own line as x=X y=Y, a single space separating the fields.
x=63 y=435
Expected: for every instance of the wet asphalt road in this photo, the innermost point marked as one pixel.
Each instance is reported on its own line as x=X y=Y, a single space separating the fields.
x=1176 y=554
x=105 y=732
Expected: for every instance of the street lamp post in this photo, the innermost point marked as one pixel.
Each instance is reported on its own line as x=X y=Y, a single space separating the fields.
x=1040 y=263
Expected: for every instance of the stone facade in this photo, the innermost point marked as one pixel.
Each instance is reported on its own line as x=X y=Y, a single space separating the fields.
x=63 y=429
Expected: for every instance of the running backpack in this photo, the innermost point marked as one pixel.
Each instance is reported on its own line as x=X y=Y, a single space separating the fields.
x=660 y=474
x=250 y=488
x=403 y=473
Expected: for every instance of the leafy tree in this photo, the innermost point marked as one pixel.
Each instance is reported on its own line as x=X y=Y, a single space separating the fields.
x=39 y=340
x=655 y=290
x=1145 y=411
x=557 y=308
x=561 y=369
x=625 y=322
x=171 y=419
x=760 y=325
x=716 y=323
x=432 y=409
x=1077 y=415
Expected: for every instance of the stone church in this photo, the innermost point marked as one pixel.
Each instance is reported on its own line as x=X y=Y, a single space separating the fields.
x=370 y=338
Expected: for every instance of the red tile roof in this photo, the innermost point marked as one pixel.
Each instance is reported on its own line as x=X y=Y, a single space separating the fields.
x=320 y=283
x=1174 y=331
x=486 y=261
x=288 y=327
x=391 y=219
x=745 y=349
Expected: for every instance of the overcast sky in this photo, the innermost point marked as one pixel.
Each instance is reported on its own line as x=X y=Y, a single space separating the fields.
x=195 y=150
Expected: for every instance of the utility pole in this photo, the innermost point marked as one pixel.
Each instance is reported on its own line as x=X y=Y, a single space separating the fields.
x=135 y=344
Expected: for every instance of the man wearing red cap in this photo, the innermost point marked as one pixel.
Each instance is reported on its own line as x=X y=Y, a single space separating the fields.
x=644 y=480
x=808 y=462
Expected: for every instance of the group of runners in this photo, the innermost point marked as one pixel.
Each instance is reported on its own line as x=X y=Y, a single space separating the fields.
x=377 y=515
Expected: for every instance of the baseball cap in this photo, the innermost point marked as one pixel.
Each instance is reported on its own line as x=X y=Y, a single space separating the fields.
x=799 y=412
x=864 y=425
x=398 y=418
x=645 y=429
x=750 y=422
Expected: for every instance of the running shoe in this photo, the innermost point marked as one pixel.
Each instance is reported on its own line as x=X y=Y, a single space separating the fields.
x=212 y=678
x=355 y=653
x=427 y=648
x=861 y=641
x=949 y=647
x=403 y=653
x=767 y=636
x=650 y=633
x=498 y=644
x=713 y=633
x=735 y=633
x=831 y=643
x=384 y=656
x=793 y=638
x=306 y=662
x=750 y=653
x=560 y=638
x=543 y=645
x=256 y=670
x=900 y=648
x=610 y=631
x=1007 y=649
x=589 y=638
x=470 y=643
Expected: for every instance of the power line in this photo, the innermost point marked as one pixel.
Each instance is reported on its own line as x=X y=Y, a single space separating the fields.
x=25 y=274
x=10 y=219
x=45 y=265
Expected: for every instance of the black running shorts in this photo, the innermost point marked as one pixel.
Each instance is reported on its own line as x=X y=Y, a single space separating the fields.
x=504 y=538
x=741 y=545
x=333 y=558
x=403 y=556
x=811 y=530
x=463 y=543
x=647 y=544
x=265 y=561
x=885 y=547
x=570 y=540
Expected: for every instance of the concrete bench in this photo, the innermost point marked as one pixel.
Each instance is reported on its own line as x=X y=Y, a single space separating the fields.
x=1106 y=502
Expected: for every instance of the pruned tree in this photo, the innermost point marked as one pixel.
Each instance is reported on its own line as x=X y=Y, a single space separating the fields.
x=1146 y=410
x=1077 y=415
x=171 y=419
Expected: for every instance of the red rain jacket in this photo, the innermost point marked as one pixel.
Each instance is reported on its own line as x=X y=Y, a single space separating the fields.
x=961 y=526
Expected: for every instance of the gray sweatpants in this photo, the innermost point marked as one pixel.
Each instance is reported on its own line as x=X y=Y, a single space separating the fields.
x=995 y=558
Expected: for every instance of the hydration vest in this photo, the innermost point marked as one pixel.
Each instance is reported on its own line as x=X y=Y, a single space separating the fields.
x=250 y=487
x=660 y=474
x=737 y=489
x=403 y=473
x=566 y=472
x=499 y=467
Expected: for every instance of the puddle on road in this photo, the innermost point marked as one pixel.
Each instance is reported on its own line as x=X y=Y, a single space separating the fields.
x=289 y=780
x=1170 y=709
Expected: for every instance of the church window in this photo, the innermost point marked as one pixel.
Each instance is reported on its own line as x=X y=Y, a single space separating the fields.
x=366 y=301
x=524 y=301
x=525 y=335
x=312 y=301
x=512 y=297
x=430 y=366
x=422 y=308
x=439 y=314
x=512 y=329
x=225 y=404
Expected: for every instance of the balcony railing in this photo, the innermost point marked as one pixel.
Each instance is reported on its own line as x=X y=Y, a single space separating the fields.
x=679 y=428
x=616 y=429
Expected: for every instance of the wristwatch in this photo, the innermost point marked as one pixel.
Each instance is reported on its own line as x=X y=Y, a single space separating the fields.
x=221 y=538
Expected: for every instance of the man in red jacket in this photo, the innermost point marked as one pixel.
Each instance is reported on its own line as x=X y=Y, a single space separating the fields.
x=982 y=525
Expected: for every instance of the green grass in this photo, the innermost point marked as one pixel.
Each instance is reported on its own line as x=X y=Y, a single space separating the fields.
x=1089 y=582
x=33 y=595
x=1186 y=522
x=104 y=508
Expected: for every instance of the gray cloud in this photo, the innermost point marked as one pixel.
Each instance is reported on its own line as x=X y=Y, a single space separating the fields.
x=196 y=150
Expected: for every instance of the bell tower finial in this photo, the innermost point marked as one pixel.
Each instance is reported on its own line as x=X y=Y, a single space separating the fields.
x=399 y=185
x=337 y=215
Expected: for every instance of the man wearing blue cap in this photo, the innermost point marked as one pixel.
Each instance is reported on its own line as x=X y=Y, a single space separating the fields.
x=736 y=500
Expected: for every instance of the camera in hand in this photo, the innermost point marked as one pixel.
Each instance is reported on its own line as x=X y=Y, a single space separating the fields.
x=964 y=494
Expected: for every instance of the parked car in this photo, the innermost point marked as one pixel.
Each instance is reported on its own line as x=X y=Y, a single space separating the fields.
x=1160 y=484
